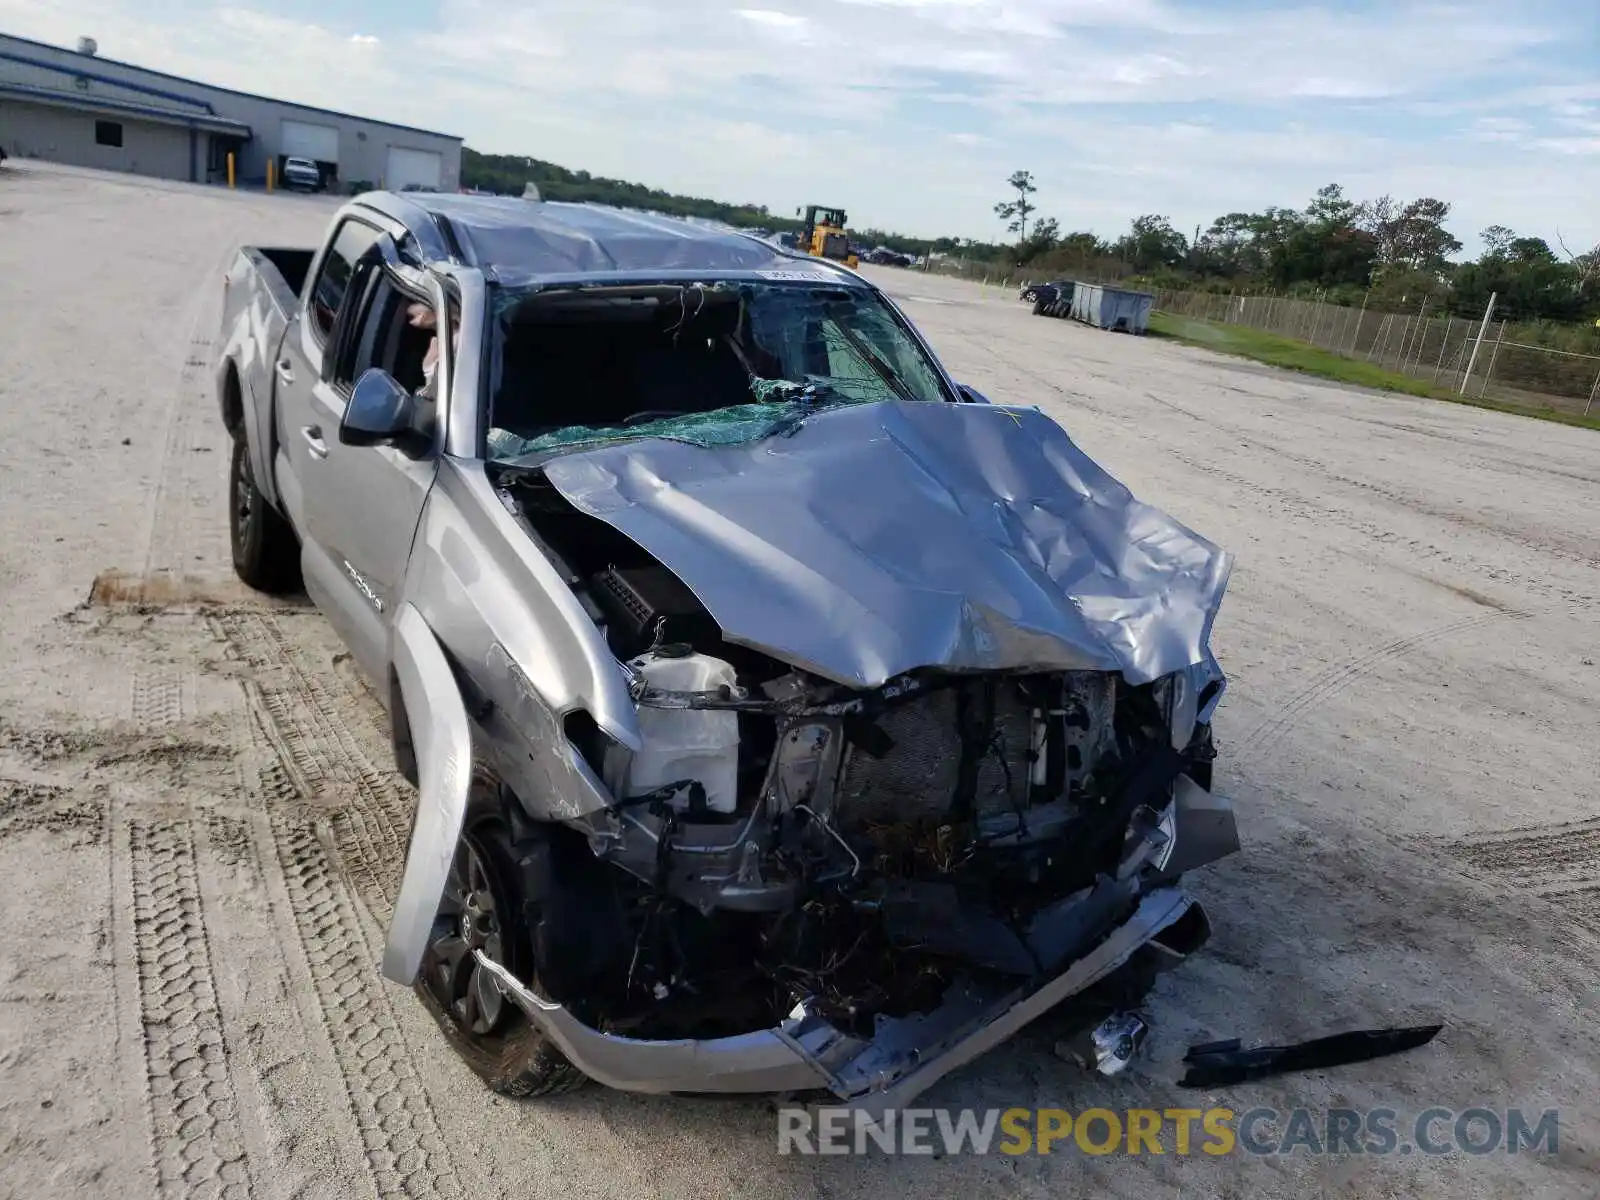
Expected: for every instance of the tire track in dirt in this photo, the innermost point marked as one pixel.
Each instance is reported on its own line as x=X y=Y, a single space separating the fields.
x=400 y=1132
x=1559 y=863
x=196 y=1141
x=1294 y=504
x=301 y=1137
x=320 y=786
x=232 y=842
x=1334 y=679
x=324 y=759
x=189 y=519
x=27 y=805
x=1459 y=515
x=187 y=523
x=158 y=697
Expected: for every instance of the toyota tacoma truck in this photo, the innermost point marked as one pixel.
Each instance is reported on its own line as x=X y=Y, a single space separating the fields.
x=784 y=717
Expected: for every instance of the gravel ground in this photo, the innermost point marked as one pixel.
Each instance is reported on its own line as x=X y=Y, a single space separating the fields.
x=195 y=787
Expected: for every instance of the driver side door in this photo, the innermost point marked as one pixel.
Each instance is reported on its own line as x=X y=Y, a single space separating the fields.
x=366 y=512
x=300 y=371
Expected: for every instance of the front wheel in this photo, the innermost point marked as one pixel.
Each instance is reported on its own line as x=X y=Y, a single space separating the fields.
x=266 y=554
x=488 y=905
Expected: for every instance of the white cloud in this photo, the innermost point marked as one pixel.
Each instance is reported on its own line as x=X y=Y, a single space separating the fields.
x=1584 y=147
x=777 y=20
x=1040 y=18
x=1498 y=129
x=1583 y=117
x=912 y=112
x=1146 y=69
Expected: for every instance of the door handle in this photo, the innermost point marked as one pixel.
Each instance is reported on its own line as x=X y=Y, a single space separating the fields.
x=285 y=370
x=313 y=437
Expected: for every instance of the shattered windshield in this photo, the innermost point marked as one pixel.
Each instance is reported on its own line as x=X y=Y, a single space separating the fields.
x=713 y=364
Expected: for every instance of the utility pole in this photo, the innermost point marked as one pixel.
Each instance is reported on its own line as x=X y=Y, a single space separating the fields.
x=1478 y=345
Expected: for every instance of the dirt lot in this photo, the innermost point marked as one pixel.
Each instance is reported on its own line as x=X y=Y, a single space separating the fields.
x=200 y=834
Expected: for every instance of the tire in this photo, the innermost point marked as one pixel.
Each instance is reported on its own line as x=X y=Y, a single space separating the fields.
x=1030 y=294
x=496 y=1040
x=1038 y=308
x=266 y=553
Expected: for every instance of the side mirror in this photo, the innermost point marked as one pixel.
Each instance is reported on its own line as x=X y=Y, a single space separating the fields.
x=971 y=395
x=379 y=411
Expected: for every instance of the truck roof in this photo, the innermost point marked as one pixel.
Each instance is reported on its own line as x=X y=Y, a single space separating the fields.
x=520 y=241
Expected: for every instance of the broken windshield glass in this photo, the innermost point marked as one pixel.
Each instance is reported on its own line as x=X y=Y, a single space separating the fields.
x=712 y=364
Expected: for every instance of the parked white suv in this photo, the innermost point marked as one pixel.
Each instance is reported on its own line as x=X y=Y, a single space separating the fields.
x=302 y=174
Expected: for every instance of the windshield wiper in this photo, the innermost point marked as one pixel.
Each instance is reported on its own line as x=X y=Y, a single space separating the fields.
x=884 y=371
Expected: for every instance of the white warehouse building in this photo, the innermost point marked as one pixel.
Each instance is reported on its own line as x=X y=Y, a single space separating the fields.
x=72 y=106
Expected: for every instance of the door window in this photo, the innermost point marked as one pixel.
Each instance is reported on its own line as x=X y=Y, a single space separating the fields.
x=394 y=331
x=332 y=284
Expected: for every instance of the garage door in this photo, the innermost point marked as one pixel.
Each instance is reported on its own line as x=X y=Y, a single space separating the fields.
x=319 y=143
x=418 y=168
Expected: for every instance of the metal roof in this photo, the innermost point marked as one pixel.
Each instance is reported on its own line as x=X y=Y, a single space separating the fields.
x=82 y=64
x=527 y=241
x=128 y=108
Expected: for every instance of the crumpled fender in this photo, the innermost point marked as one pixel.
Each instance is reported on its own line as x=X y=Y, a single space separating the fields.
x=442 y=742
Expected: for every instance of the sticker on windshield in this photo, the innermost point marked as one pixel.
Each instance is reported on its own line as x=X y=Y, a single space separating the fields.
x=809 y=276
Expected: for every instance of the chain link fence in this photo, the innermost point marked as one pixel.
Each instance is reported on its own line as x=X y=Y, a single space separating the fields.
x=977 y=270
x=1434 y=348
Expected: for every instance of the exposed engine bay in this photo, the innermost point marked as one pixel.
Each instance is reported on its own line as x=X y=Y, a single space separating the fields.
x=783 y=839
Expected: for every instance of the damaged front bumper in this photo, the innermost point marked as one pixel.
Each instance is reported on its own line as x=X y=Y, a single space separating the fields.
x=1096 y=934
x=906 y=1057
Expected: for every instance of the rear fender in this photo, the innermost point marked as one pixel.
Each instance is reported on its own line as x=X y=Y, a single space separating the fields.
x=259 y=426
x=253 y=329
x=441 y=741
x=245 y=417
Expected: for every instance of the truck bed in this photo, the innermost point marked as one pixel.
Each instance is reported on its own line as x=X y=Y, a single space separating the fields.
x=292 y=265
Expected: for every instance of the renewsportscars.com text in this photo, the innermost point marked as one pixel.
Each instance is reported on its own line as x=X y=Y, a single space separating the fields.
x=1178 y=1131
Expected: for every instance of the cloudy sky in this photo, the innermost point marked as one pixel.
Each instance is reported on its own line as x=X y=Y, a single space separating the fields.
x=911 y=113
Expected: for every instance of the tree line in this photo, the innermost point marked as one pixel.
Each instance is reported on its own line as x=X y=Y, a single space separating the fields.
x=506 y=174
x=1383 y=252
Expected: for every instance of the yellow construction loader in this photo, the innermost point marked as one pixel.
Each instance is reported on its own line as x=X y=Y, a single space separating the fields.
x=824 y=234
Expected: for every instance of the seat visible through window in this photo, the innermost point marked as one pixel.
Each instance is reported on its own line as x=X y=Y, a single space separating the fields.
x=561 y=374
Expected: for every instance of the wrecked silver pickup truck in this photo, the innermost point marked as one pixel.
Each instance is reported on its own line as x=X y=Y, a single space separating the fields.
x=784 y=716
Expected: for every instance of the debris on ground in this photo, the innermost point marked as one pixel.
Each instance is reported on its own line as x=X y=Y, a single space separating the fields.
x=1218 y=1064
x=1109 y=1047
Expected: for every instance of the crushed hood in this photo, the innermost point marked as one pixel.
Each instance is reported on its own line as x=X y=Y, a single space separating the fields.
x=881 y=538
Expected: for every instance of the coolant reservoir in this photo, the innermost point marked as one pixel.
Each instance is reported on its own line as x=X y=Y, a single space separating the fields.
x=682 y=743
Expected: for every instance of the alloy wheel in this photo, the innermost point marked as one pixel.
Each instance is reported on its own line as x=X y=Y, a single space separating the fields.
x=244 y=499
x=469 y=919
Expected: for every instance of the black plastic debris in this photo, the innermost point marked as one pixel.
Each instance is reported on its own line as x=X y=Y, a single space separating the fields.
x=1217 y=1064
